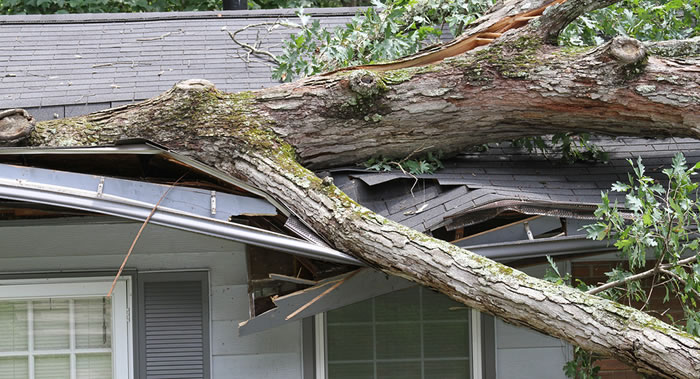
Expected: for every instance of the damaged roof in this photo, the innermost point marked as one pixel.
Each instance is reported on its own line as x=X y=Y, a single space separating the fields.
x=474 y=187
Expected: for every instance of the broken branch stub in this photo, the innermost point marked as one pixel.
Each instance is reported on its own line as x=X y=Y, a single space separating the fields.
x=15 y=127
x=627 y=50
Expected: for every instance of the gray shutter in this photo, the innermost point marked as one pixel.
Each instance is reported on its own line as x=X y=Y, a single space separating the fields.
x=175 y=326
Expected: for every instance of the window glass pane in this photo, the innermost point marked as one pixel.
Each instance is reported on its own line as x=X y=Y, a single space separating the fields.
x=351 y=370
x=358 y=312
x=437 y=306
x=458 y=369
x=398 y=306
x=93 y=326
x=51 y=327
x=398 y=370
x=14 y=368
x=446 y=339
x=13 y=326
x=52 y=367
x=398 y=340
x=350 y=342
x=94 y=366
x=415 y=333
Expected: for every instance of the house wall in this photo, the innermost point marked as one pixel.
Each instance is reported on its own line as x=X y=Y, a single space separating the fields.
x=525 y=353
x=60 y=247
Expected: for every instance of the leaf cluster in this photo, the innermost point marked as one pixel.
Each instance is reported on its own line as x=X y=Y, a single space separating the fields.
x=427 y=164
x=570 y=147
x=272 y=4
x=645 y=20
x=662 y=223
x=383 y=32
x=104 y=6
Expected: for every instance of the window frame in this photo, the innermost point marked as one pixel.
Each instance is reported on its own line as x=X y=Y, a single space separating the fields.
x=76 y=287
x=321 y=345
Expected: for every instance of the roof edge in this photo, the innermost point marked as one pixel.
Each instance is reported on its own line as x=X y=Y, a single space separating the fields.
x=92 y=18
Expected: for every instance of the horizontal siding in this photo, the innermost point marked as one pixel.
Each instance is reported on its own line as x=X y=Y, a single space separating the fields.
x=271 y=354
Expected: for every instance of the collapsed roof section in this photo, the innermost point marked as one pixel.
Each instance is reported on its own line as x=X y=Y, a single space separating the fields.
x=504 y=181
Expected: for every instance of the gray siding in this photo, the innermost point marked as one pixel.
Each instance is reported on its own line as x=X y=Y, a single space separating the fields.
x=101 y=247
x=522 y=353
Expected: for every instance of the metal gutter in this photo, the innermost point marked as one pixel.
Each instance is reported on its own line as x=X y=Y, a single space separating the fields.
x=145 y=147
x=541 y=247
x=135 y=200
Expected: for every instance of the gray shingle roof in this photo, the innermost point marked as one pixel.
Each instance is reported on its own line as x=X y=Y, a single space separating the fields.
x=505 y=176
x=105 y=59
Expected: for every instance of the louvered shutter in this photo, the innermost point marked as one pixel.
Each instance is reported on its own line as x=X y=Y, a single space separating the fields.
x=175 y=326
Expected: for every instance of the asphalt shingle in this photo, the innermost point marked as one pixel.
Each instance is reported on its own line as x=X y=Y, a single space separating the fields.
x=60 y=60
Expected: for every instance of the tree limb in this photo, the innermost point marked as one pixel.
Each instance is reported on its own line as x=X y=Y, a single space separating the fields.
x=641 y=275
x=255 y=49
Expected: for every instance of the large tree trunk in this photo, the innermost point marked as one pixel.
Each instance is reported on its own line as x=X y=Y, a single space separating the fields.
x=516 y=86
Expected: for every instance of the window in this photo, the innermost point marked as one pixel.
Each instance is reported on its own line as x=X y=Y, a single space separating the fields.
x=67 y=329
x=412 y=333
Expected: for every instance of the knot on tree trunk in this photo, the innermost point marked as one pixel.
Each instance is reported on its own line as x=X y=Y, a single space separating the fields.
x=627 y=50
x=194 y=85
x=15 y=127
x=366 y=83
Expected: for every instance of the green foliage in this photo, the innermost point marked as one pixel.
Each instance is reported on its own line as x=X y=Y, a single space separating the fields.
x=427 y=164
x=661 y=221
x=582 y=366
x=113 y=6
x=103 y=6
x=569 y=146
x=271 y=4
x=382 y=33
x=657 y=220
x=642 y=19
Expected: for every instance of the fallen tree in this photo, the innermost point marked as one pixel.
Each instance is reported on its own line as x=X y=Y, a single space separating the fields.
x=502 y=79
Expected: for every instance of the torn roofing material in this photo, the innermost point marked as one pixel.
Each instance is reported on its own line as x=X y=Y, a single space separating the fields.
x=474 y=187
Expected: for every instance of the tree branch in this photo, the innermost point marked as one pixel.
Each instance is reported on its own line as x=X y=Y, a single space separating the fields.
x=255 y=48
x=641 y=275
x=557 y=17
x=681 y=280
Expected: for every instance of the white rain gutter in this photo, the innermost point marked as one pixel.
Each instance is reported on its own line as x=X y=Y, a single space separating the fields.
x=184 y=208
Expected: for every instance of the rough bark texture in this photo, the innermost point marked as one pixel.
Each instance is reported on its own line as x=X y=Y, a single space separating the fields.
x=516 y=86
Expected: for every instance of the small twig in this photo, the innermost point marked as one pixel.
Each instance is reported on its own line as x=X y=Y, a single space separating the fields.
x=651 y=289
x=143 y=226
x=407 y=157
x=131 y=63
x=641 y=275
x=678 y=278
x=159 y=37
x=322 y=294
x=255 y=48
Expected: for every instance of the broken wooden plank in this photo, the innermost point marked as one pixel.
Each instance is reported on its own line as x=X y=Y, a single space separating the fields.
x=322 y=294
x=366 y=284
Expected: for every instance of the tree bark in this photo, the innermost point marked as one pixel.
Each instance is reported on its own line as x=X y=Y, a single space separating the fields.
x=515 y=86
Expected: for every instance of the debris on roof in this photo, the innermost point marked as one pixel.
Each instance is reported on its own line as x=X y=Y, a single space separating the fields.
x=475 y=187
